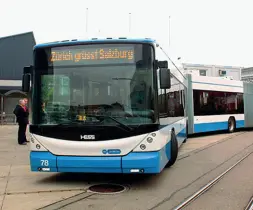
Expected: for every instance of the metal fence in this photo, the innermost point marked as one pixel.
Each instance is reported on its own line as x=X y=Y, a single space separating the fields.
x=7 y=119
x=8 y=102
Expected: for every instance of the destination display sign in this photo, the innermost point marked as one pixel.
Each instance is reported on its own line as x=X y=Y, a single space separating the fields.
x=88 y=55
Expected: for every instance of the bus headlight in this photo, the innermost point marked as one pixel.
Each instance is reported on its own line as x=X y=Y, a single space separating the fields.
x=143 y=146
x=32 y=139
x=36 y=145
x=149 y=139
x=152 y=142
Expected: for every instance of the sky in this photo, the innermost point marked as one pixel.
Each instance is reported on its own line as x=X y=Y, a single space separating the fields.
x=216 y=32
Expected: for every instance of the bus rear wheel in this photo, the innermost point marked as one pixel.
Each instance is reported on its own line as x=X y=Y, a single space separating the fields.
x=186 y=132
x=231 y=125
x=174 y=149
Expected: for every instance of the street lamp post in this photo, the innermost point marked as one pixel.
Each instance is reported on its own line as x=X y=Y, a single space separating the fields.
x=87 y=10
x=169 y=31
x=129 y=22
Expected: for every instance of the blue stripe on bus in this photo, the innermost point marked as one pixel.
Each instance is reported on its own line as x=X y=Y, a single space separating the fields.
x=215 y=126
x=240 y=124
x=150 y=162
x=43 y=160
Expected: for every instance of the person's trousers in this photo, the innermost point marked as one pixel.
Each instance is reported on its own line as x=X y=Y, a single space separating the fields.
x=22 y=133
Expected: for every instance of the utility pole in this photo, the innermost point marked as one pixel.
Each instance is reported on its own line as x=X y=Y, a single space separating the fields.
x=169 y=31
x=129 y=22
x=87 y=10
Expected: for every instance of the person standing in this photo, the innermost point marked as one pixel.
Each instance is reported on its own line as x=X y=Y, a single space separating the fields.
x=22 y=119
x=26 y=105
x=27 y=110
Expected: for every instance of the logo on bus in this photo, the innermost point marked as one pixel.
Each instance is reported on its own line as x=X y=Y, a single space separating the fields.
x=87 y=137
x=111 y=151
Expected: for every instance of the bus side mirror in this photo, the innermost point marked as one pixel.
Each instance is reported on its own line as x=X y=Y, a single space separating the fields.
x=165 y=79
x=162 y=64
x=27 y=70
x=26 y=83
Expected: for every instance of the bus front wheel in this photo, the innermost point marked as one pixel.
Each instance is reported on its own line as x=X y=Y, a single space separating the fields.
x=231 y=125
x=174 y=149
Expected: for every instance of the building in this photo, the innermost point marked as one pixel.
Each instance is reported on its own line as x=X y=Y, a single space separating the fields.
x=232 y=72
x=247 y=74
x=15 y=52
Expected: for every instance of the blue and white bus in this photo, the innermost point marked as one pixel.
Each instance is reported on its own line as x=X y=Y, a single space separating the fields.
x=105 y=106
x=218 y=103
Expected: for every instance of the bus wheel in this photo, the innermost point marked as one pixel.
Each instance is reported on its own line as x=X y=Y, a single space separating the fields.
x=174 y=149
x=186 y=132
x=231 y=125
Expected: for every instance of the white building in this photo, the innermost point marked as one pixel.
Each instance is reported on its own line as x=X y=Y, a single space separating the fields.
x=232 y=72
x=247 y=74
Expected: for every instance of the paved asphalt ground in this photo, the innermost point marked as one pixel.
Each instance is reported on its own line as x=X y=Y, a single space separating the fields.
x=200 y=160
x=234 y=191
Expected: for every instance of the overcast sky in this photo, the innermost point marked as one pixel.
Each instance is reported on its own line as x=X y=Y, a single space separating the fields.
x=202 y=31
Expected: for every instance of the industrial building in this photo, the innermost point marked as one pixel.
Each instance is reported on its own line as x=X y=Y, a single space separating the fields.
x=233 y=72
x=15 y=52
x=247 y=74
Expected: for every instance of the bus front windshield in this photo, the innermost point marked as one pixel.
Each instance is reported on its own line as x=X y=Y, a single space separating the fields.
x=95 y=84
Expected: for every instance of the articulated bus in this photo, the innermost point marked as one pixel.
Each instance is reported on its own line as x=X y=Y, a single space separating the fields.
x=105 y=106
x=216 y=104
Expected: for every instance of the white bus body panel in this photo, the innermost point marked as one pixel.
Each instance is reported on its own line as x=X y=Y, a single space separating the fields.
x=216 y=118
x=214 y=84
x=88 y=148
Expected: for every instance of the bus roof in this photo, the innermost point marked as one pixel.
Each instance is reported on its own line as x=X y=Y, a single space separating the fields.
x=95 y=40
x=216 y=84
x=219 y=81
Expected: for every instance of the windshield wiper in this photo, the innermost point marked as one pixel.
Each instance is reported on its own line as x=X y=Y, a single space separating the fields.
x=122 y=78
x=122 y=125
x=70 y=123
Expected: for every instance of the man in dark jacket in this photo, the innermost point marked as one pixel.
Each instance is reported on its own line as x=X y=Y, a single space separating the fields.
x=27 y=109
x=22 y=116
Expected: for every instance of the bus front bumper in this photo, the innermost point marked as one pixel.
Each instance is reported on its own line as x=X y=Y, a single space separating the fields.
x=135 y=162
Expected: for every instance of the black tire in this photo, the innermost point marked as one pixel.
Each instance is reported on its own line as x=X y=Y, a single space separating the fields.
x=231 y=125
x=174 y=149
x=186 y=130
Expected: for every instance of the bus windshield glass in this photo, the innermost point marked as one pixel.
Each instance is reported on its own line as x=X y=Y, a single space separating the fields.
x=98 y=84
